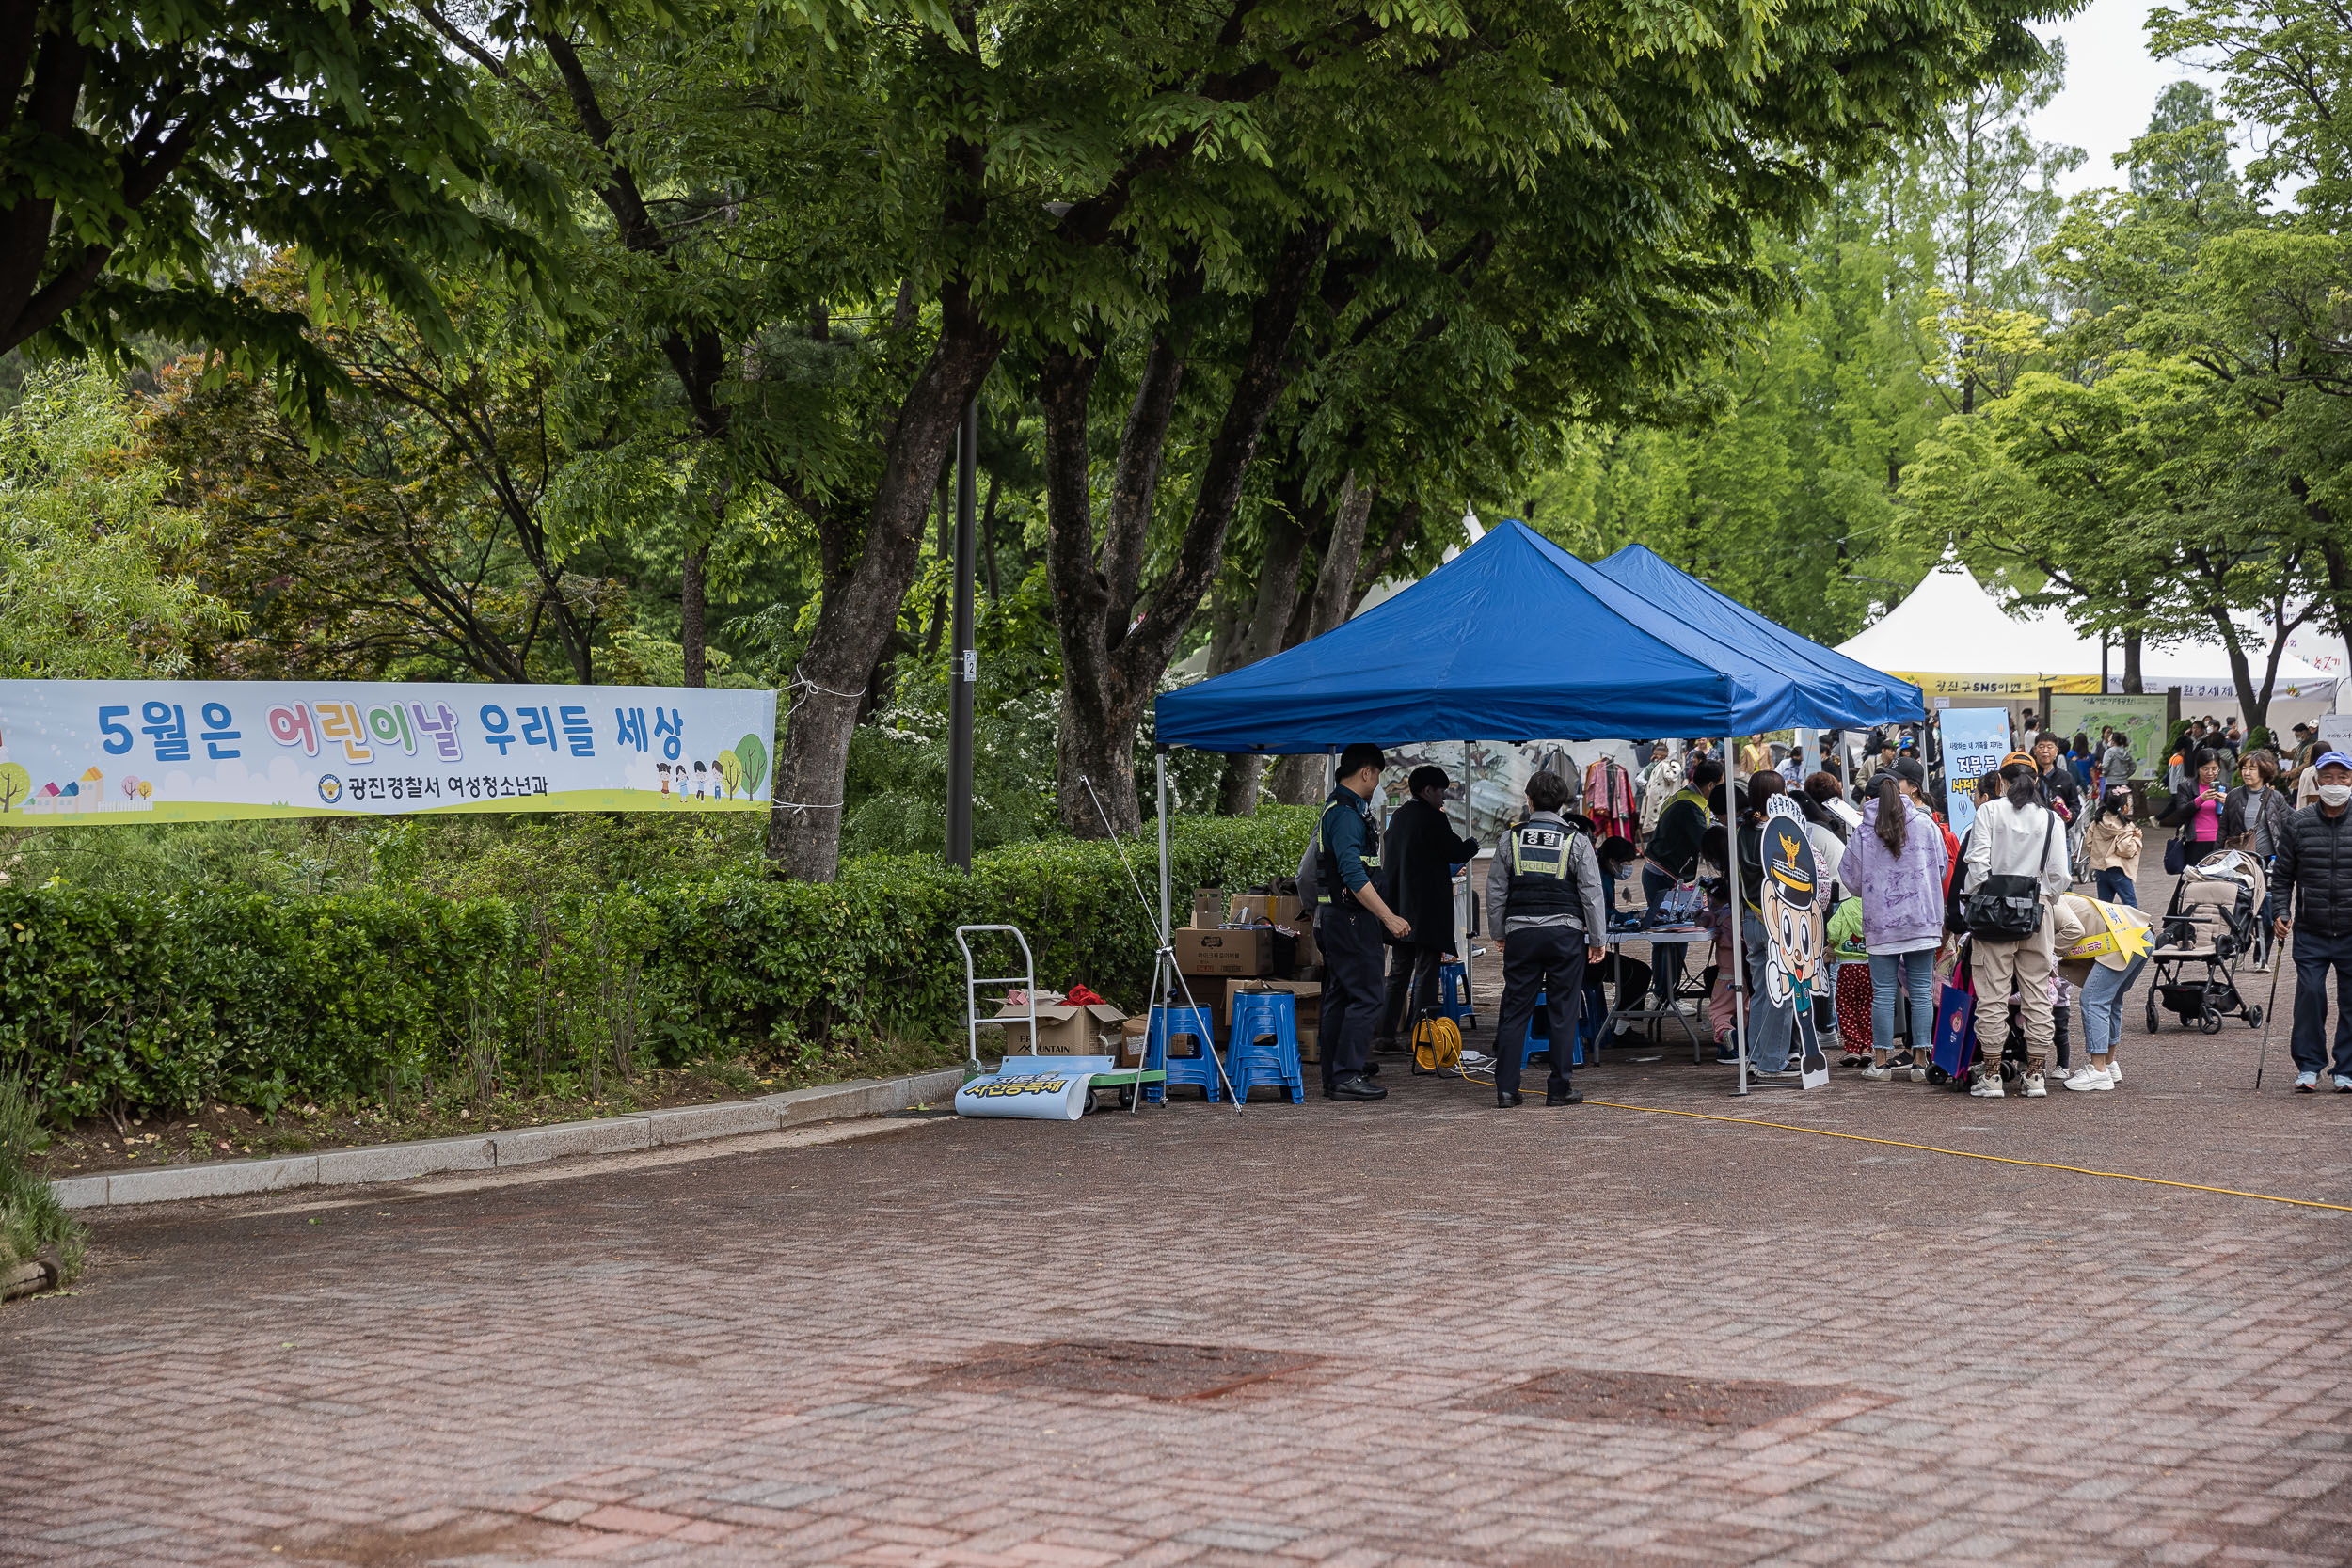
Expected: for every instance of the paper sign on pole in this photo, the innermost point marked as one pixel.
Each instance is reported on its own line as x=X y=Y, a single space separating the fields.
x=1974 y=741
x=87 y=753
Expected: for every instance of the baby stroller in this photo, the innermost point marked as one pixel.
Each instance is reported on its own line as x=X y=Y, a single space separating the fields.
x=2210 y=924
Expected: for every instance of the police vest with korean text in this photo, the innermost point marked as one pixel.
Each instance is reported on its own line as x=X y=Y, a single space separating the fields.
x=1542 y=878
x=1329 y=888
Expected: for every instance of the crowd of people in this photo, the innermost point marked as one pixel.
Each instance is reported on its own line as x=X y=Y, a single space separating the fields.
x=1913 y=910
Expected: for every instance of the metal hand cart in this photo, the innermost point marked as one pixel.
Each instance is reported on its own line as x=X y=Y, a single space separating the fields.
x=1103 y=1072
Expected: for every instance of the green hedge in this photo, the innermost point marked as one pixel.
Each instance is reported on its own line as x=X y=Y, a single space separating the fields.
x=112 y=999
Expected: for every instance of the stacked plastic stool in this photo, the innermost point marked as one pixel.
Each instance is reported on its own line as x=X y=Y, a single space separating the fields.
x=1539 y=1037
x=1170 y=1024
x=1263 y=1045
x=1453 y=998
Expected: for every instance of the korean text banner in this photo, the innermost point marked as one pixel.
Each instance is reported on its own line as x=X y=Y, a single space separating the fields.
x=84 y=754
x=1974 y=741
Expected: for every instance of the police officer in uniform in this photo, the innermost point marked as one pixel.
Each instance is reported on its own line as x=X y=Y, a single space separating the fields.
x=1349 y=917
x=1546 y=902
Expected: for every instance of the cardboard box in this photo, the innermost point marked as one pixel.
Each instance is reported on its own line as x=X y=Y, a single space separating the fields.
x=1062 y=1029
x=1233 y=951
x=1131 y=1034
x=1252 y=909
x=1208 y=907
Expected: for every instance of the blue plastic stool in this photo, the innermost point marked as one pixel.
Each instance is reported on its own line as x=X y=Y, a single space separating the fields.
x=1263 y=1046
x=1199 y=1068
x=1538 y=1036
x=1453 y=999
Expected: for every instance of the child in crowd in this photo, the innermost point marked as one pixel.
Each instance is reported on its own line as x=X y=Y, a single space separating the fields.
x=2111 y=848
x=1853 y=981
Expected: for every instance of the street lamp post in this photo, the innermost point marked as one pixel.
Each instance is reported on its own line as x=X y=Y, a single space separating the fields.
x=964 y=670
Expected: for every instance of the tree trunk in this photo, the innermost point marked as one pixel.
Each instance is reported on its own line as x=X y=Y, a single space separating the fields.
x=860 y=612
x=1260 y=635
x=2130 y=664
x=691 y=604
x=1112 y=658
x=1298 y=781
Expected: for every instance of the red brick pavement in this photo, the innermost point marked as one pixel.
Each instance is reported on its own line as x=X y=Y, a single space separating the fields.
x=741 y=1360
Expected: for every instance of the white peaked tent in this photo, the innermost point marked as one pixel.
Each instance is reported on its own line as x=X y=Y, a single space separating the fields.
x=1951 y=638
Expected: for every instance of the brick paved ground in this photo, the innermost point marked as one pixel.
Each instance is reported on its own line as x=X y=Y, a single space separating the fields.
x=745 y=1359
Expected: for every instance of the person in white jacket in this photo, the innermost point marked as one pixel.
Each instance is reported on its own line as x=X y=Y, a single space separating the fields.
x=2016 y=836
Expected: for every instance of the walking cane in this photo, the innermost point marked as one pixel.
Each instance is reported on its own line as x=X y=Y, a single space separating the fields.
x=2269 y=1009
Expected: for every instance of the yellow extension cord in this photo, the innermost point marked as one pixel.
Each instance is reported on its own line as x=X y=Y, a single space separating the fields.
x=1955 y=1153
x=1971 y=1154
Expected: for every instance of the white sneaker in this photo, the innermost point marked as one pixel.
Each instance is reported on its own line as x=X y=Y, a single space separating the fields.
x=2343 y=1085
x=2035 y=1088
x=1878 y=1074
x=1985 y=1088
x=2091 y=1079
x=2307 y=1082
x=2115 y=1072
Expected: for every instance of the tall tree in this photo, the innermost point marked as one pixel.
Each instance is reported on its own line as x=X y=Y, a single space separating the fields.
x=141 y=141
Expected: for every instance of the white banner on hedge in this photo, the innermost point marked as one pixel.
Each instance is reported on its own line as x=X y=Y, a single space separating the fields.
x=83 y=753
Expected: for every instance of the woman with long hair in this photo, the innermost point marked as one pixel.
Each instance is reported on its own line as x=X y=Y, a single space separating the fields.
x=2017 y=864
x=1895 y=864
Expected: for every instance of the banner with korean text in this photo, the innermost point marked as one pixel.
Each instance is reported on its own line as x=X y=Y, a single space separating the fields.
x=82 y=754
x=1974 y=741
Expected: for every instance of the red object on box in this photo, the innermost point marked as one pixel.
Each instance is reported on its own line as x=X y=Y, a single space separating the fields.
x=1082 y=995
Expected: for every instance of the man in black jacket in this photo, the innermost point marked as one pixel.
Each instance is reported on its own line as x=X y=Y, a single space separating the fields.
x=2315 y=860
x=2057 y=780
x=1672 y=861
x=1419 y=852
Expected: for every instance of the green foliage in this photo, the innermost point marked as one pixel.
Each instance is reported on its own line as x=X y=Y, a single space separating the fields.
x=151 y=141
x=85 y=591
x=116 y=997
x=31 y=1220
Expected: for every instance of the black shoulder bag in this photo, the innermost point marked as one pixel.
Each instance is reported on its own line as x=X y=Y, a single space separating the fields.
x=2009 y=908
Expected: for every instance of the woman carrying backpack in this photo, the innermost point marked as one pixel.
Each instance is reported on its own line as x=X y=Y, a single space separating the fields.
x=1896 y=862
x=2017 y=864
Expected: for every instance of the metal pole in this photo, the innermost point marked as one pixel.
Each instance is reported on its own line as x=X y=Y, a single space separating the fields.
x=1739 y=916
x=965 y=668
x=1159 y=760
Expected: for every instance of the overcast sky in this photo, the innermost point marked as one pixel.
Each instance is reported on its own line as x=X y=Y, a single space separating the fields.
x=2111 y=87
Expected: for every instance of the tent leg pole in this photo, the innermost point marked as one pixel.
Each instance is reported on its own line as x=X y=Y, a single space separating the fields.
x=1739 y=912
x=1159 y=759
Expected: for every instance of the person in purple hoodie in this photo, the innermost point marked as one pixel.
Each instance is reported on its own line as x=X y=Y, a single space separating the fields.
x=1895 y=861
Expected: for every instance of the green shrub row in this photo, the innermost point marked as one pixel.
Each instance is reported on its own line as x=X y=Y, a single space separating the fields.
x=115 y=1000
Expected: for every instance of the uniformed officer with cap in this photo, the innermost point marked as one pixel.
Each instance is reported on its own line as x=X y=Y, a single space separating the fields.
x=1545 y=899
x=1349 y=916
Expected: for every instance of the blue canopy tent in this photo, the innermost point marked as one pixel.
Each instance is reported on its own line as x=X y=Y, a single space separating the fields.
x=1517 y=640
x=1651 y=578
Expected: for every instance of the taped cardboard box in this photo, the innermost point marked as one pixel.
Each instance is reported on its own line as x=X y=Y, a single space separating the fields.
x=1256 y=951
x=1208 y=907
x=1064 y=1028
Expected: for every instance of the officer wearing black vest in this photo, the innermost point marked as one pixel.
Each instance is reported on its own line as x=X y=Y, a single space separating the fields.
x=1349 y=915
x=1545 y=899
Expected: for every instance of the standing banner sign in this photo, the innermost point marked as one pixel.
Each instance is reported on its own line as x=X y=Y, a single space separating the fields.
x=1974 y=741
x=1790 y=905
x=85 y=754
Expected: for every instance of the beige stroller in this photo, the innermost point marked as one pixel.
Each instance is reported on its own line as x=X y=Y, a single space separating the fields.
x=2210 y=925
